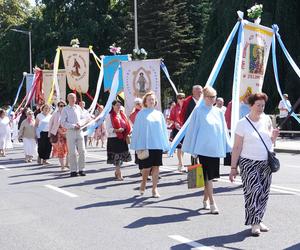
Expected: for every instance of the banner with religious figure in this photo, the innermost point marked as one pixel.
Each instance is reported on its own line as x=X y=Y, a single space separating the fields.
x=140 y=77
x=256 y=49
x=47 y=84
x=111 y=64
x=76 y=61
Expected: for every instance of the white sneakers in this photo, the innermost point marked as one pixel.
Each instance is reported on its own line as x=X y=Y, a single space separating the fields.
x=212 y=207
x=258 y=228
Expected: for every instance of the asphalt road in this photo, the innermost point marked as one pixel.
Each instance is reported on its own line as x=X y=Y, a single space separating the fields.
x=42 y=208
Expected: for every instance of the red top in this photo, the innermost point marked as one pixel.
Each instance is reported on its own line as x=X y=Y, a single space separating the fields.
x=175 y=116
x=184 y=108
x=228 y=114
x=133 y=115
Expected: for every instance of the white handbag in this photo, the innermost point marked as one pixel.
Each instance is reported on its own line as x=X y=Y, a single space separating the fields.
x=142 y=154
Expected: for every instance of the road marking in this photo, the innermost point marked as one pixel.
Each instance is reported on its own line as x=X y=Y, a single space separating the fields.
x=191 y=243
x=4 y=168
x=274 y=188
x=57 y=189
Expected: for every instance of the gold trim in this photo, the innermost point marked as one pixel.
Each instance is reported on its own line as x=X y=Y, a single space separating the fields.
x=262 y=31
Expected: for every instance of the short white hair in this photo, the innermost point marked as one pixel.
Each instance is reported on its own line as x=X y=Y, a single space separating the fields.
x=220 y=99
x=138 y=100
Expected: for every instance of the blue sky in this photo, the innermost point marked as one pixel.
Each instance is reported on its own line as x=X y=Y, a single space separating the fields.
x=32 y=2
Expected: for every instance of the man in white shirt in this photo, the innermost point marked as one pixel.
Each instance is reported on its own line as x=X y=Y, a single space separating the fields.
x=73 y=118
x=283 y=113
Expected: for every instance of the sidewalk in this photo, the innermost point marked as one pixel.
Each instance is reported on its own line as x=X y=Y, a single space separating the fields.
x=286 y=145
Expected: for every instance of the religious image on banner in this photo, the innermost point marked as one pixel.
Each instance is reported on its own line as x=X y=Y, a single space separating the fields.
x=139 y=78
x=47 y=84
x=76 y=61
x=256 y=49
x=111 y=63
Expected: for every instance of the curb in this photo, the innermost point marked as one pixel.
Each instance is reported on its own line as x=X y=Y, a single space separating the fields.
x=286 y=150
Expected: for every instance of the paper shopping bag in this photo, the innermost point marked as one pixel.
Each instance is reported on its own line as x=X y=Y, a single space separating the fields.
x=195 y=176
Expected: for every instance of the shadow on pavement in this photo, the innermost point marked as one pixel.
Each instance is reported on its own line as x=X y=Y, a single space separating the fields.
x=219 y=241
x=294 y=247
x=164 y=219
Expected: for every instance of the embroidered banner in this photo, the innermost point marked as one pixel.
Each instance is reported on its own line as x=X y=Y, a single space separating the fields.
x=47 y=84
x=111 y=64
x=139 y=78
x=256 y=49
x=76 y=61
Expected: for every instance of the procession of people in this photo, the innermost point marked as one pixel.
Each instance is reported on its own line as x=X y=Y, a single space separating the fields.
x=207 y=140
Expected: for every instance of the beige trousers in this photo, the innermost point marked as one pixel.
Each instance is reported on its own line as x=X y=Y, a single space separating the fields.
x=75 y=142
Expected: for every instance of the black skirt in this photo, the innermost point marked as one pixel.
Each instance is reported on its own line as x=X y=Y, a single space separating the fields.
x=211 y=167
x=174 y=132
x=154 y=159
x=44 y=146
x=117 y=151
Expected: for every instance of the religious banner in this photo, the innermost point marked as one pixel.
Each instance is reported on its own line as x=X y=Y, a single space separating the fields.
x=111 y=64
x=255 y=53
x=76 y=61
x=252 y=53
x=139 y=78
x=47 y=84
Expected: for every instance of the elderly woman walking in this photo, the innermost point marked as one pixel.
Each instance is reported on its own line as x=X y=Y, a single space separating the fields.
x=251 y=155
x=57 y=135
x=207 y=137
x=150 y=138
x=28 y=135
x=42 y=130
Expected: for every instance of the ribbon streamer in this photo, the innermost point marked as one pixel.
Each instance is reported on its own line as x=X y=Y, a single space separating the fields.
x=92 y=125
x=277 y=78
x=17 y=95
x=210 y=82
x=55 y=80
x=164 y=68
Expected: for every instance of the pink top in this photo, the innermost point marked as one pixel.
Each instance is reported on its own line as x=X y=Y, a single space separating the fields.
x=54 y=123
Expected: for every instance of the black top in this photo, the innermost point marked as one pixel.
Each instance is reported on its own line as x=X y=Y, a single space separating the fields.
x=190 y=108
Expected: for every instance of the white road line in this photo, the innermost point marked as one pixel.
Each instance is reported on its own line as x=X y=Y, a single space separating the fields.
x=274 y=188
x=191 y=243
x=61 y=191
x=4 y=168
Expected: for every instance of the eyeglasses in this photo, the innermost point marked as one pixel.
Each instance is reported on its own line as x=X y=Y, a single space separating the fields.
x=211 y=97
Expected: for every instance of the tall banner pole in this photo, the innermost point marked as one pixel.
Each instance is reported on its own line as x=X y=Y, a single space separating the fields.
x=136 y=45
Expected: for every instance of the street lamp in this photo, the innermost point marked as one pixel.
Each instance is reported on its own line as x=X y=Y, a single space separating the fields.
x=29 y=35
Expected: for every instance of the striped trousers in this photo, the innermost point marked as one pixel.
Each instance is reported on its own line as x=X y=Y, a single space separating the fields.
x=256 y=177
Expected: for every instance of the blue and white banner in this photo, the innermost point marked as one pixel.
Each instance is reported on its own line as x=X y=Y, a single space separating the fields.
x=29 y=82
x=111 y=64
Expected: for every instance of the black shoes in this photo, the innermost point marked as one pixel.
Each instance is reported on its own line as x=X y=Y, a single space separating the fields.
x=82 y=173
x=73 y=174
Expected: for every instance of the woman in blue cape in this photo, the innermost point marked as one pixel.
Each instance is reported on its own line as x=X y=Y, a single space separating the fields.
x=207 y=137
x=150 y=140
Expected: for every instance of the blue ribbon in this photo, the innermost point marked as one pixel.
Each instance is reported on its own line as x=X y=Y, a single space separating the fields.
x=107 y=108
x=275 y=28
x=165 y=70
x=17 y=96
x=210 y=82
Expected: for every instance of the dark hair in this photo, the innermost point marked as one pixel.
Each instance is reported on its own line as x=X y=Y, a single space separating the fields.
x=2 y=111
x=258 y=96
x=113 y=104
